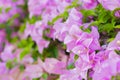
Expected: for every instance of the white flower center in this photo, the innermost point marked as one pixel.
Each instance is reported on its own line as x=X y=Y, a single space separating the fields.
x=118 y=42
x=79 y=52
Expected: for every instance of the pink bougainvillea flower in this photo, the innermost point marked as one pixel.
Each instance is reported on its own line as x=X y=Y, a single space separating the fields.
x=12 y=74
x=71 y=39
x=62 y=56
x=74 y=33
x=53 y=8
x=15 y=73
x=55 y=66
x=7 y=54
x=117 y=13
x=74 y=73
x=115 y=44
x=89 y=40
x=88 y=4
x=42 y=44
x=28 y=30
x=49 y=14
x=79 y=49
x=62 y=4
x=26 y=60
x=6 y=77
x=36 y=32
x=108 y=67
x=118 y=67
x=36 y=7
x=75 y=17
x=3 y=68
x=13 y=9
x=83 y=64
x=110 y=4
x=93 y=40
x=95 y=45
x=33 y=71
x=60 y=31
x=77 y=37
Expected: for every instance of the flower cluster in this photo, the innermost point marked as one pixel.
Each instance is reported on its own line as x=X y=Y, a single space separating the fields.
x=60 y=40
x=9 y=8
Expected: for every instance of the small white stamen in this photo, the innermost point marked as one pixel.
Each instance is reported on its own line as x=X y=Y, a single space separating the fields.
x=118 y=42
x=78 y=51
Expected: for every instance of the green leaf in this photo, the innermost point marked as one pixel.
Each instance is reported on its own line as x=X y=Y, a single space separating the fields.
x=14 y=39
x=14 y=0
x=36 y=54
x=110 y=39
x=9 y=32
x=26 y=51
x=22 y=28
x=9 y=64
x=115 y=77
x=95 y=23
x=51 y=51
x=7 y=9
x=70 y=66
x=25 y=42
x=64 y=15
x=103 y=15
x=34 y=19
x=45 y=76
x=73 y=5
x=21 y=67
x=117 y=51
x=0 y=9
x=87 y=13
x=76 y=57
x=15 y=16
x=118 y=77
x=118 y=26
x=106 y=27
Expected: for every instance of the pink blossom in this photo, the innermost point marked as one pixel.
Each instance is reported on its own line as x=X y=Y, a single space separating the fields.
x=33 y=71
x=6 y=77
x=108 y=67
x=7 y=54
x=88 y=4
x=14 y=9
x=83 y=64
x=3 y=68
x=36 y=7
x=110 y=4
x=60 y=31
x=74 y=73
x=115 y=44
x=42 y=44
x=117 y=14
x=36 y=32
x=55 y=66
x=75 y=17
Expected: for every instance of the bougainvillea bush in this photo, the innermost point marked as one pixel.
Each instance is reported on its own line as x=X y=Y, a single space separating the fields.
x=59 y=39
